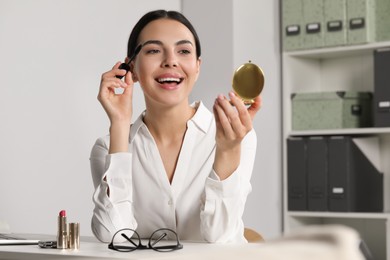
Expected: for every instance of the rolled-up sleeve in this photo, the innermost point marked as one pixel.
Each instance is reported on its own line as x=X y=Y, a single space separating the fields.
x=112 y=178
x=223 y=202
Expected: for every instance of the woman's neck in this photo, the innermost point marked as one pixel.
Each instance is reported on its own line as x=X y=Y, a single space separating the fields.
x=168 y=123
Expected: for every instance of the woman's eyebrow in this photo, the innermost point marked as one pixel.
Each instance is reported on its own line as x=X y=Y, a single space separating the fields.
x=152 y=42
x=184 y=42
x=161 y=43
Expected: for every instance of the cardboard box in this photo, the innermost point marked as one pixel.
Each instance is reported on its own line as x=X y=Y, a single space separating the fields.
x=331 y=110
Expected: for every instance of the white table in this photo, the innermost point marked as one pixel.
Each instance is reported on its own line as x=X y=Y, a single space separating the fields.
x=291 y=249
x=97 y=250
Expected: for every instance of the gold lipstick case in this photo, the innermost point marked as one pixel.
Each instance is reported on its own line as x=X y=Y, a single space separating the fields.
x=74 y=236
x=62 y=235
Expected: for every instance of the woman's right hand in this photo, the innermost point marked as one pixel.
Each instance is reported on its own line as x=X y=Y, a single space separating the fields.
x=118 y=107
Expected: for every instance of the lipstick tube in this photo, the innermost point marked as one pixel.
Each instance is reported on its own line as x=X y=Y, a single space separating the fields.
x=62 y=233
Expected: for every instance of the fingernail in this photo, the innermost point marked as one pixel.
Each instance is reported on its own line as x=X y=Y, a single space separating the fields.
x=221 y=97
x=232 y=94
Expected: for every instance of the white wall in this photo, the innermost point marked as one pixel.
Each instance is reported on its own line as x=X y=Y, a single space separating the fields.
x=256 y=38
x=233 y=32
x=52 y=53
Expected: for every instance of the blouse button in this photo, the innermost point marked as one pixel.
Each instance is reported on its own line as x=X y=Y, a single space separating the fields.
x=170 y=202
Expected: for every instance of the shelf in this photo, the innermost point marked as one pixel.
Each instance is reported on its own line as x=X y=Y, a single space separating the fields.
x=357 y=215
x=373 y=228
x=331 y=69
x=340 y=51
x=344 y=131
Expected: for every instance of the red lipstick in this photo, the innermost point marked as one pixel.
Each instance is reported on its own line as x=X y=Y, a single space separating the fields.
x=62 y=233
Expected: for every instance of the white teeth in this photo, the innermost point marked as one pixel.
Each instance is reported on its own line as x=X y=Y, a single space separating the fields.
x=161 y=80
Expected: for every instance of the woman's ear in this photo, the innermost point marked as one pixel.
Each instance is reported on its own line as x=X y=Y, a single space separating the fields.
x=198 y=62
x=133 y=74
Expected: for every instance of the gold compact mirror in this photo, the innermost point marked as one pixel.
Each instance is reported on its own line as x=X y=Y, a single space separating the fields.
x=248 y=82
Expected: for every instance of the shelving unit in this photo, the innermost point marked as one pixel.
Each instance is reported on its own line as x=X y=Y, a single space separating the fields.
x=336 y=69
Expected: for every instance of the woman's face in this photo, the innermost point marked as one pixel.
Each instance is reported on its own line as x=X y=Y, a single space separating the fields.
x=167 y=66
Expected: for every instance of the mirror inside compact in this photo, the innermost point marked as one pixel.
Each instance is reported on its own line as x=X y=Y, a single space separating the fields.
x=248 y=82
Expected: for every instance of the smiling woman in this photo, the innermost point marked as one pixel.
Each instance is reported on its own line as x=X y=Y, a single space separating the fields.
x=178 y=166
x=168 y=52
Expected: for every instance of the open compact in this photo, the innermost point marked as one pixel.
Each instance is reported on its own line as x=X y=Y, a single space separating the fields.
x=248 y=82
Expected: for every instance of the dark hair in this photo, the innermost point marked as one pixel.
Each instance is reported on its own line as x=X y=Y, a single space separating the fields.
x=155 y=15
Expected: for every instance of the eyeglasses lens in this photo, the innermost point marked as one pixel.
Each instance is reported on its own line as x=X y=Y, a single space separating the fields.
x=126 y=240
x=164 y=240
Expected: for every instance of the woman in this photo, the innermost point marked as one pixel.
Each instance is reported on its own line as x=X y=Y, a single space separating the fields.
x=177 y=166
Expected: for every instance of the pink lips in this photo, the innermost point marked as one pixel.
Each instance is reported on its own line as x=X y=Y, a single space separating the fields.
x=169 y=86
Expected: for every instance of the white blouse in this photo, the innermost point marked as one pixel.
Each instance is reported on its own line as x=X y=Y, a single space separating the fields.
x=197 y=205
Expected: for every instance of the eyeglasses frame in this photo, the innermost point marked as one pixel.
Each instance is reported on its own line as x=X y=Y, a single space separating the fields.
x=150 y=243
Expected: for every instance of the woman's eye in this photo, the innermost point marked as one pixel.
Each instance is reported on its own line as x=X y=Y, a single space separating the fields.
x=154 y=51
x=185 y=52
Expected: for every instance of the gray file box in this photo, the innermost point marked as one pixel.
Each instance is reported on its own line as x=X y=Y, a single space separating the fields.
x=292 y=24
x=330 y=110
x=382 y=88
x=336 y=173
x=313 y=17
x=355 y=183
x=317 y=173
x=335 y=14
x=296 y=174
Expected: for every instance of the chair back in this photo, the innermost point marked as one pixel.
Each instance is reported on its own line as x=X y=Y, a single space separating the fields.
x=252 y=236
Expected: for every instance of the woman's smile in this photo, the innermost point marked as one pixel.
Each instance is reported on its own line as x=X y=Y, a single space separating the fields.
x=169 y=81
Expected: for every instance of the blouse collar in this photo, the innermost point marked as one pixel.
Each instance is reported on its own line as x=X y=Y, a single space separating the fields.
x=202 y=119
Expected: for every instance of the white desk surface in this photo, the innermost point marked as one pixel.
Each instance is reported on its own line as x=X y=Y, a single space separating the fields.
x=289 y=249
x=98 y=250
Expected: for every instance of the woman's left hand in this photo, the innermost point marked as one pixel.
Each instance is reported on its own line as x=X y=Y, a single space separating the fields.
x=233 y=124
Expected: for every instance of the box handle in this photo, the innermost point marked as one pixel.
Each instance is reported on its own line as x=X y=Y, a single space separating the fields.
x=293 y=30
x=313 y=28
x=356 y=110
x=383 y=106
x=356 y=23
x=334 y=26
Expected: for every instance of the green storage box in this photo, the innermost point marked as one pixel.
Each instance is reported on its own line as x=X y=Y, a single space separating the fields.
x=292 y=24
x=313 y=18
x=330 y=110
x=335 y=28
x=368 y=21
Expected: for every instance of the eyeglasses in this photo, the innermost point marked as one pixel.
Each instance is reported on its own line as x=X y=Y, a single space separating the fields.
x=162 y=240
